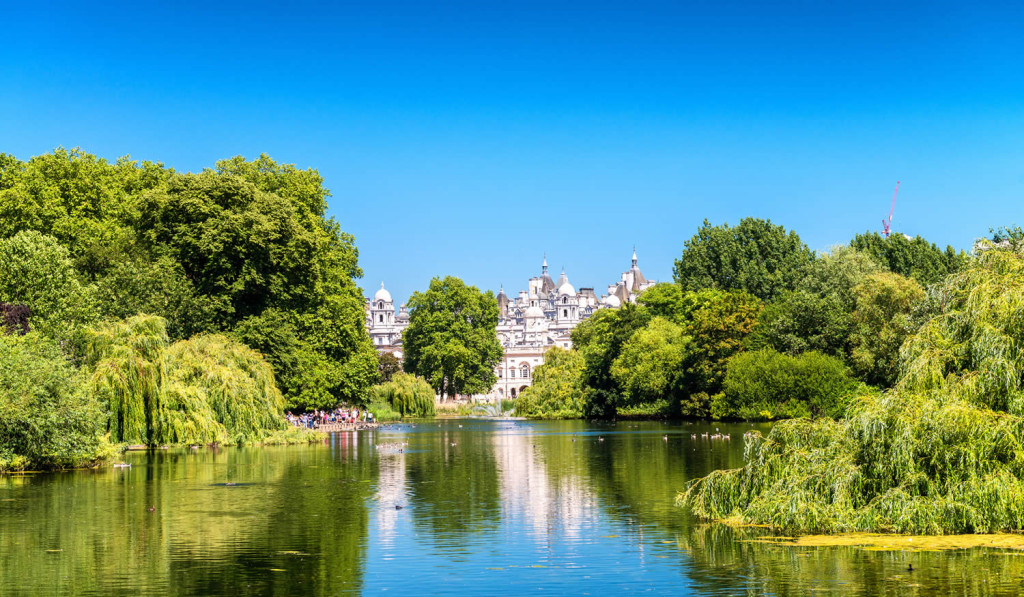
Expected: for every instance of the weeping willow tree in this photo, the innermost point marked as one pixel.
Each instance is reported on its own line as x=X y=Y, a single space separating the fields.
x=128 y=374
x=206 y=389
x=216 y=389
x=973 y=348
x=943 y=452
x=407 y=394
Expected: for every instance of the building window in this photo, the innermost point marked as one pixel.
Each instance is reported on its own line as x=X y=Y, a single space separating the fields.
x=501 y=373
x=512 y=372
x=565 y=312
x=380 y=305
x=565 y=300
x=525 y=371
x=381 y=317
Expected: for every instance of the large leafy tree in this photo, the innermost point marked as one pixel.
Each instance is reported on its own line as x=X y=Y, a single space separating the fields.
x=600 y=339
x=556 y=391
x=88 y=204
x=650 y=368
x=451 y=340
x=911 y=257
x=888 y=312
x=818 y=314
x=38 y=272
x=209 y=252
x=718 y=323
x=757 y=257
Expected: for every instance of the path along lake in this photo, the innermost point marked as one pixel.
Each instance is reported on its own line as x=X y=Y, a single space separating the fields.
x=469 y=506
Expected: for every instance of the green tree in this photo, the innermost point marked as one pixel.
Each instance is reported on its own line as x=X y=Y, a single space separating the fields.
x=38 y=272
x=818 y=314
x=452 y=340
x=406 y=394
x=157 y=287
x=886 y=315
x=46 y=419
x=911 y=257
x=650 y=369
x=972 y=348
x=718 y=323
x=757 y=257
x=599 y=340
x=388 y=366
x=557 y=389
x=88 y=204
x=663 y=300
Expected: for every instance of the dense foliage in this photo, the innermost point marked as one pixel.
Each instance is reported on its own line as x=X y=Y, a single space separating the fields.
x=244 y=246
x=911 y=257
x=768 y=385
x=757 y=257
x=46 y=419
x=452 y=337
x=163 y=285
x=557 y=390
x=206 y=389
x=939 y=453
x=406 y=394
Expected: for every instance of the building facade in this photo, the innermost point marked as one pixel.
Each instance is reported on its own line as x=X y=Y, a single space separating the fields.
x=543 y=315
x=533 y=321
x=384 y=325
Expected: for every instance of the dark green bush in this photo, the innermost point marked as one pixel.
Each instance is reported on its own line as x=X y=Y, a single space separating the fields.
x=768 y=385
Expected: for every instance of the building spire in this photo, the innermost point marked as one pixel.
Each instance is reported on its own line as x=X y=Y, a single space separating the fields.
x=544 y=266
x=634 y=255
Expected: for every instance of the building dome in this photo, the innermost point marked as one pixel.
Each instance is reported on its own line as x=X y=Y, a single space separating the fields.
x=564 y=287
x=382 y=294
x=534 y=311
x=403 y=315
x=611 y=301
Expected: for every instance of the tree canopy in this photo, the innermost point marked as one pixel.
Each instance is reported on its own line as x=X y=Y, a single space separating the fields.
x=911 y=257
x=244 y=248
x=756 y=257
x=452 y=337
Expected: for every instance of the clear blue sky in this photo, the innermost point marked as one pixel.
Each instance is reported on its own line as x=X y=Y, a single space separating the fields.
x=470 y=138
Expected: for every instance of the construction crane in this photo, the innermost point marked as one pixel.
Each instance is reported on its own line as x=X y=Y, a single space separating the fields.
x=885 y=223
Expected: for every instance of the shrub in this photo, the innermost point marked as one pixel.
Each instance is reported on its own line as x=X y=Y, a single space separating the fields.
x=767 y=384
x=557 y=390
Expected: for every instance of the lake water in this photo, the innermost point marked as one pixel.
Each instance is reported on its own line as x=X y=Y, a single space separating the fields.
x=467 y=507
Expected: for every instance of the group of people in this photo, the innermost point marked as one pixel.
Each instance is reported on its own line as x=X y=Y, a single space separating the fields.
x=316 y=418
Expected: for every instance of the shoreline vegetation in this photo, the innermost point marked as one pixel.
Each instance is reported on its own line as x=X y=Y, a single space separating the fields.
x=139 y=305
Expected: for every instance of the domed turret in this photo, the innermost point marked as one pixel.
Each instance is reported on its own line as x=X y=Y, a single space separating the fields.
x=564 y=287
x=403 y=315
x=382 y=294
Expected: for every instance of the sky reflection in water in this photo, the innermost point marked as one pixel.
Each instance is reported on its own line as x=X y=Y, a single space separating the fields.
x=483 y=507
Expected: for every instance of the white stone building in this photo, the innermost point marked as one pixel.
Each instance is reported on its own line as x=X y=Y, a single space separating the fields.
x=384 y=325
x=542 y=317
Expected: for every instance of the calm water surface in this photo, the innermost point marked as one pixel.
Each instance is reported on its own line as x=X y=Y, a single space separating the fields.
x=468 y=507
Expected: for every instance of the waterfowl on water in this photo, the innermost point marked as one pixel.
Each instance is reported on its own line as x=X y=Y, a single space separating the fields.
x=664 y=437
